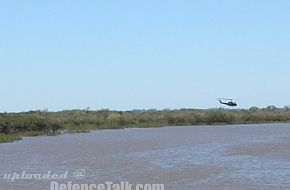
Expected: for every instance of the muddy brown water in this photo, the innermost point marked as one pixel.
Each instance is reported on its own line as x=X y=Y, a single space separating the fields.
x=183 y=158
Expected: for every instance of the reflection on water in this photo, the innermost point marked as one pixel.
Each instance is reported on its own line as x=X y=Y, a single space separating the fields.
x=201 y=157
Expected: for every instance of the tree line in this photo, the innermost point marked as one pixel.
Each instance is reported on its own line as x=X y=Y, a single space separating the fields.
x=15 y=125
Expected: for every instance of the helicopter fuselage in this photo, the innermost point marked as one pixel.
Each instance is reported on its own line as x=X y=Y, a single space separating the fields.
x=231 y=103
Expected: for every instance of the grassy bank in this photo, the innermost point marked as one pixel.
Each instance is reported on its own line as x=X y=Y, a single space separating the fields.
x=13 y=126
x=6 y=138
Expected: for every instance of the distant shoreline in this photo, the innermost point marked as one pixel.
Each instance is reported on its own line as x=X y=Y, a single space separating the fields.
x=14 y=126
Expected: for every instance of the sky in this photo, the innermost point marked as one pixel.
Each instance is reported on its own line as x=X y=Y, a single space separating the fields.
x=124 y=55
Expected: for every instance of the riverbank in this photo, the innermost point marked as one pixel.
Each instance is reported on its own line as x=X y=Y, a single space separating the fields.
x=13 y=126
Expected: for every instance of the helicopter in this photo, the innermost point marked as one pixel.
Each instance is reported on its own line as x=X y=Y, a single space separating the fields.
x=229 y=102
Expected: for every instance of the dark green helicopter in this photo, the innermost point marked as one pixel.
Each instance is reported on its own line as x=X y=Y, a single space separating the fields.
x=228 y=102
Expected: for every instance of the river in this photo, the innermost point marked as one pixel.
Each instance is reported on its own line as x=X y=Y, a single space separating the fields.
x=182 y=158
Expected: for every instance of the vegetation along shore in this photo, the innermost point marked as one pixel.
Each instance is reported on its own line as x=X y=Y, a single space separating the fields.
x=13 y=126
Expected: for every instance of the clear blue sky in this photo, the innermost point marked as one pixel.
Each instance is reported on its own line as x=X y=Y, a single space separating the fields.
x=143 y=54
